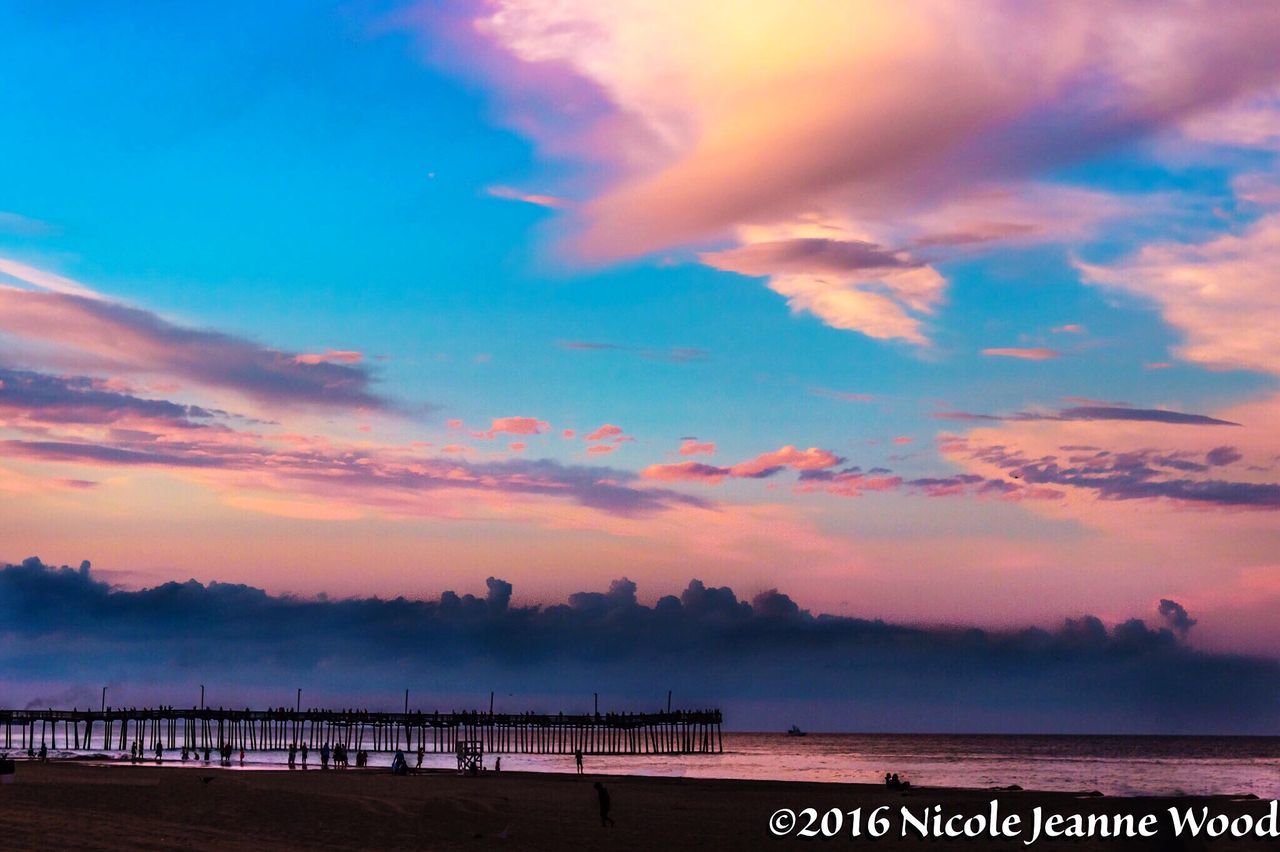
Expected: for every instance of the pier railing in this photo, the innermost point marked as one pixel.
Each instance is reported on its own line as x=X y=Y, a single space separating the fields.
x=112 y=729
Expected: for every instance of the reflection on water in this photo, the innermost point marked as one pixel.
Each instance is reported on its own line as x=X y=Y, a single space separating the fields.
x=1115 y=765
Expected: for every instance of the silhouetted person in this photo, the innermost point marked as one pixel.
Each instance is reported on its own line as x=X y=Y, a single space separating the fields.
x=399 y=765
x=497 y=763
x=603 y=795
x=577 y=757
x=44 y=753
x=206 y=754
x=422 y=752
x=305 y=751
x=324 y=756
x=293 y=755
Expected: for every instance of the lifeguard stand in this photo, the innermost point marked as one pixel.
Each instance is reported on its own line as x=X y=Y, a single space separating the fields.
x=470 y=757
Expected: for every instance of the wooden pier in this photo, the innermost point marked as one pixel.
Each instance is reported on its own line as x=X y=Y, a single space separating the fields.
x=674 y=732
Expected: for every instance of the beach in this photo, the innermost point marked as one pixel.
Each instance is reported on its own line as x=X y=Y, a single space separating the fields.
x=76 y=805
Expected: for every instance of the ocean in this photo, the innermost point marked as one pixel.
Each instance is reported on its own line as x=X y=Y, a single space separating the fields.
x=1113 y=765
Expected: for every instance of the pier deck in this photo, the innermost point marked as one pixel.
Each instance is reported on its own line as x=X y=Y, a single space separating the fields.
x=112 y=729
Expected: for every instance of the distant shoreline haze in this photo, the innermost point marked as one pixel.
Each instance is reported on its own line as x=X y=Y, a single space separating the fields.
x=767 y=663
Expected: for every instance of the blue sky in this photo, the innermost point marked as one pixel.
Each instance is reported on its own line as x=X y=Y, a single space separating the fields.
x=311 y=179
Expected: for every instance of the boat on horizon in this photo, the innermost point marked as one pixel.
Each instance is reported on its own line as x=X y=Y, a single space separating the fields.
x=794 y=731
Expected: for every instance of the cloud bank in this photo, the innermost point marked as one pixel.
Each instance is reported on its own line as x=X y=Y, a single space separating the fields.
x=759 y=659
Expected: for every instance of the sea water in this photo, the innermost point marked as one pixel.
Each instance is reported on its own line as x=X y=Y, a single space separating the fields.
x=1114 y=765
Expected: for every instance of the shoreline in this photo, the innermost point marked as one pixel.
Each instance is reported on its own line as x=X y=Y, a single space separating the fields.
x=104 y=759
x=102 y=807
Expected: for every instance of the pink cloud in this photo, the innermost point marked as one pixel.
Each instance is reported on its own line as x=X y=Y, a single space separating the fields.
x=514 y=426
x=330 y=356
x=851 y=484
x=733 y=131
x=694 y=448
x=1223 y=295
x=843 y=396
x=685 y=472
x=510 y=194
x=517 y=446
x=903 y=439
x=1036 y=353
x=568 y=434
x=608 y=430
x=701 y=148
x=601 y=449
x=454 y=423
x=1070 y=328
x=128 y=340
x=788 y=456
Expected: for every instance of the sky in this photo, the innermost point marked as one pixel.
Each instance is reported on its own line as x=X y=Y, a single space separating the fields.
x=945 y=319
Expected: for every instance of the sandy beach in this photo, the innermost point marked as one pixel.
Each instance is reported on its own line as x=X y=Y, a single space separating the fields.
x=83 y=806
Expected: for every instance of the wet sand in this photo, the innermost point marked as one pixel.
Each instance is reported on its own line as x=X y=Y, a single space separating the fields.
x=84 y=806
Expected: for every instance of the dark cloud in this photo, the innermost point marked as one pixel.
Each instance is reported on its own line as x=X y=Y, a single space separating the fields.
x=985 y=233
x=368 y=476
x=135 y=339
x=1222 y=456
x=1150 y=415
x=759 y=660
x=807 y=255
x=1129 y=476
x=1175 y=615
x=1094 y=412
x=52 y=399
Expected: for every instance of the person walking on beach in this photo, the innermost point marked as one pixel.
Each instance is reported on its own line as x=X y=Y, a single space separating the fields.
x=305 y=751
x=324 y=755
x=603 y=796
x=422 y=752
x=293 y=755
x=159 y=753
x=577 y=757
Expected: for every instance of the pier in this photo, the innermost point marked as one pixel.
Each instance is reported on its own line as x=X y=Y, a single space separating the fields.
x=672 y=732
